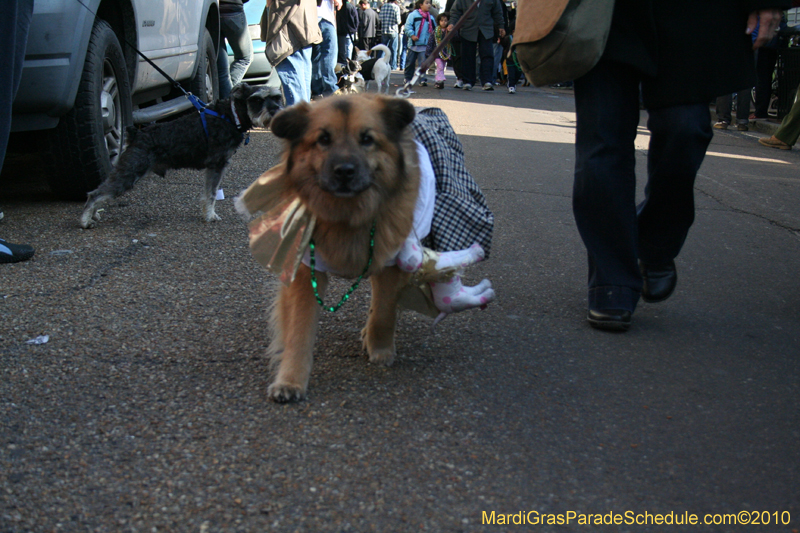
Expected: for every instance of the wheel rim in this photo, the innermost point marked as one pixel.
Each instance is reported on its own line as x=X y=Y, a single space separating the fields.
x=209 y=83
x=110 y=109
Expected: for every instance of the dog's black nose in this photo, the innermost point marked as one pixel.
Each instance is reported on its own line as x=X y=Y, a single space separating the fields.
x=344 y=177
x=344 y=172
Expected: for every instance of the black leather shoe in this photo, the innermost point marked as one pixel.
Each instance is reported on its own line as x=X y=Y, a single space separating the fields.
x=609 y=319
x=659 y=281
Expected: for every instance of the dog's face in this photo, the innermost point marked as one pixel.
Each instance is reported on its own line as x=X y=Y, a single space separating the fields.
x=352 y=67
x=345 y=154
x=261 y=103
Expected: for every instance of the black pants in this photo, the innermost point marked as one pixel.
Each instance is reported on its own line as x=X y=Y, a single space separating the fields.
x=765 y=66
x=455 y=60
x=614 y=230
x=725 y=102
x=486 y=51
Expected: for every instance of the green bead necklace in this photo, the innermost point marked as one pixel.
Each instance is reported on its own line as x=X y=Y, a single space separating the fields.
x=353 y=287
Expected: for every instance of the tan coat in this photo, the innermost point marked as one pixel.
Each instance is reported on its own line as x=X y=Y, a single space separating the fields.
x=288 y=26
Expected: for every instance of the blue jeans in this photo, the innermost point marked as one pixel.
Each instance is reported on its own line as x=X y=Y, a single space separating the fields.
x=15 y=22
x=345 y=48
x=401 y=55
x=295 y=75
x=233 y=29
x=392 y=40
x=498 y=60
x=323 y=61
x=411 y=59
x=617 y=232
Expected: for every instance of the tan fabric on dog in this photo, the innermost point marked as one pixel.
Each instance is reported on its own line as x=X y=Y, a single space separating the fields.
x=280 y=236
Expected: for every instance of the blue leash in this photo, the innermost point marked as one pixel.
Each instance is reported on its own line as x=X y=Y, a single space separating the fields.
x=202 y=108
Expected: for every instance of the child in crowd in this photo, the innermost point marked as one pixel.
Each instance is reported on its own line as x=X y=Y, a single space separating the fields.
x=418 y=30
x=510 y=61
x=447 y=52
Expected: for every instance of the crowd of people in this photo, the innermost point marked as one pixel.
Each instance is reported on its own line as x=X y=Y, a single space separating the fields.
x=766 y=58
x=307 y=54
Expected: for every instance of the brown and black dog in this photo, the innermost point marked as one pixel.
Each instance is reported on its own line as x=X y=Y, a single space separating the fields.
x=352 y=162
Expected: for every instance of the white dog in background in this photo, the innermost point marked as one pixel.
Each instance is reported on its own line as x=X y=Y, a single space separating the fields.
x=380 y=67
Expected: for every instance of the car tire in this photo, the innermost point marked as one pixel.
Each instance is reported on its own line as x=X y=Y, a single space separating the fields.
x=205 y=84
x=90 y=137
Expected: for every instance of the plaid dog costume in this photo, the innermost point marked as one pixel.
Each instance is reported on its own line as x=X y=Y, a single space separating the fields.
x=460 y=216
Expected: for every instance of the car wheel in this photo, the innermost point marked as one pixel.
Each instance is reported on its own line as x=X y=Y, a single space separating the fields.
x=89 y=139
x=205 y=84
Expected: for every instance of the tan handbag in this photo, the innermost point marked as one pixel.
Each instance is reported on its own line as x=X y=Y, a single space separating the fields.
x=560 y=40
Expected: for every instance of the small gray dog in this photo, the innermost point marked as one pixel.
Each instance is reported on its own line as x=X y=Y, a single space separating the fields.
x=206 y=142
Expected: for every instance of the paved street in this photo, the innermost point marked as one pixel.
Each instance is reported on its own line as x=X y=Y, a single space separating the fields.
x=147 y=411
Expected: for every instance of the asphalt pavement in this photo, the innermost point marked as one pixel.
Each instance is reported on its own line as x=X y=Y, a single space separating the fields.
x=146 y=409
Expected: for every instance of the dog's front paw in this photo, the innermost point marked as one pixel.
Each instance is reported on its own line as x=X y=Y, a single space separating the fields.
x=89 y=218
x=213 y=217
x=286 y=392
x=382 y=356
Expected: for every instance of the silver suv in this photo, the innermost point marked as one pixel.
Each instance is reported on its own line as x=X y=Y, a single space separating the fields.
x=83 y=83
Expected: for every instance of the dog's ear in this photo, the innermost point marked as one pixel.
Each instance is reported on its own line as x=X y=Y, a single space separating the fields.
x=291 y=123
x=241 y=91
x=397 y=113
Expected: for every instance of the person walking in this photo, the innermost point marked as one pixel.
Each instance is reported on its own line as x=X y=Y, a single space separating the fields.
x=724 y=104
x=367 y=26
x=442 y=21
x=478 y=33
x=346 y=29
x=403 y=42
x=766 y=58
x=510 y=61
x=290 y=29
x=418 y=29
x=233 y=29
x=390 y=21
x=324 y=53
x=455 y=57
x=653 y=45
x=786 y=136
x=15 y=23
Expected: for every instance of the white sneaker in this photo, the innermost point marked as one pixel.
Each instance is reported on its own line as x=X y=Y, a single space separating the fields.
x=512 y=90
x=467 y=87
x=459 y=85
x=488 y=87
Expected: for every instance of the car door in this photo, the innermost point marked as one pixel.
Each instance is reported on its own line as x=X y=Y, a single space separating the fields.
x=190 y=13
x=160 y=31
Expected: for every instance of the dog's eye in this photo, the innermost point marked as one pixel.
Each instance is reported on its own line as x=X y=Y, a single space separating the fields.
x=366 y=139
x=324 y=139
